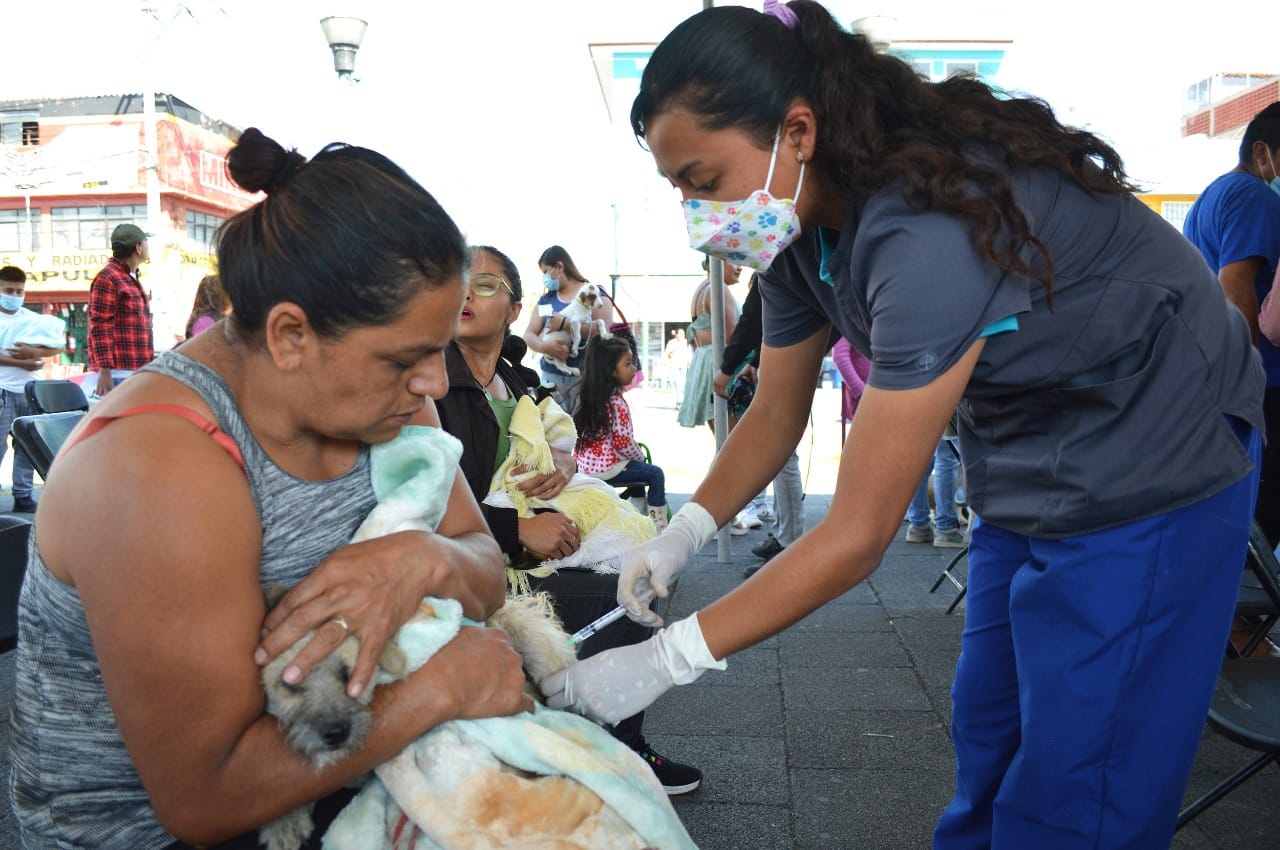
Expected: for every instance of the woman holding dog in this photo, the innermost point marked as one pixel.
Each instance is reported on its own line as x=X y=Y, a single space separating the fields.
x=485 y=380
x=138 y=718
x=561 y=282
x=984 y=256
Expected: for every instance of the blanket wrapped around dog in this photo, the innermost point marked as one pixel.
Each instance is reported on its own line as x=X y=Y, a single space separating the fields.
x=544 y=780
x=608 y=525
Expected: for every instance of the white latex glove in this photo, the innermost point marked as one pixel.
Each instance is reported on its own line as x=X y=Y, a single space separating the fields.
x=648 y=569
x=620 y=682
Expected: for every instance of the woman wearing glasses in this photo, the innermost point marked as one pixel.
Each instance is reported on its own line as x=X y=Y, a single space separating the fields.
x=485 y=382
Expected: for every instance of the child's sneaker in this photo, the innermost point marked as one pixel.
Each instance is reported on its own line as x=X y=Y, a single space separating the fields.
x=919 y=534
x=950 y=538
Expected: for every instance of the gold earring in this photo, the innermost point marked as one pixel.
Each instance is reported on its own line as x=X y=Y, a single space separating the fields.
x=800 y=156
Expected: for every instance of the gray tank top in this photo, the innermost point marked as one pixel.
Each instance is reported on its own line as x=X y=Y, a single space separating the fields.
x=72 y=782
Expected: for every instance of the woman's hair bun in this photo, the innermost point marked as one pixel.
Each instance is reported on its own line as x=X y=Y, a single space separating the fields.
x=261 y=164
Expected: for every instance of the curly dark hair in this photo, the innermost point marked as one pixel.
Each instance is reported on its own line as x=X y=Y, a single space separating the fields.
x=591 y=417
x=949 y=146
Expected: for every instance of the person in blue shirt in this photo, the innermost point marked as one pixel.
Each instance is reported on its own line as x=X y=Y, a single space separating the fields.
x=561 y=281
x=993 y=264
x=1236 y=225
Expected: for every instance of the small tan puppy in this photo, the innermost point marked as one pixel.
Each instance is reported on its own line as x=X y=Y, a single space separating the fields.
x=325 y=725
x=577 y=315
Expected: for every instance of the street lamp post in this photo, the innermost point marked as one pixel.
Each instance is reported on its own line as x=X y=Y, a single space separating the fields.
x=344 y=36
x=877 y=29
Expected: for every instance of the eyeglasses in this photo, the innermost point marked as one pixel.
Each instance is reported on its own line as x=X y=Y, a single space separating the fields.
x=487 y=285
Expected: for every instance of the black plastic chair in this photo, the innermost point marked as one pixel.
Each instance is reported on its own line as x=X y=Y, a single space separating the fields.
x=1259 y=595
x=55 y=396
x=14 y=532
x=1246 y=710
x=41 y=436
x=1246 y=699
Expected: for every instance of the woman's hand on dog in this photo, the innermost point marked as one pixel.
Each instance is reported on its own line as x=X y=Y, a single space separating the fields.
x=557 y=348
x=364 y=585
x=481 y=671
x=551 y=534
x=548 y=485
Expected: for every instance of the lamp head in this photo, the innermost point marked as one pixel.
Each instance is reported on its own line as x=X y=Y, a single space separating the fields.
x=344 y=36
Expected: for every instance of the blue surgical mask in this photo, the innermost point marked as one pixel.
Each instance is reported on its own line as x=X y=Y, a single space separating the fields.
x=10 y=303
x=1274 y=183
x=549 y=283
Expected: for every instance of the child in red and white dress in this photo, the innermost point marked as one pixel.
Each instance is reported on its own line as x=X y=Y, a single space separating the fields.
x=607 y=447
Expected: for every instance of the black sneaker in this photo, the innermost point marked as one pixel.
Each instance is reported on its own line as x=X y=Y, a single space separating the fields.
x=768 y=548
x=676 y=778
x=24 y=505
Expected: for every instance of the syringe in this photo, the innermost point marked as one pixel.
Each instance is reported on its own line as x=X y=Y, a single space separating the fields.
x=596 y=625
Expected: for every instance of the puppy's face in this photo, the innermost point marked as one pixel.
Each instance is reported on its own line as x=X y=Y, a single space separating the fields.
x=588 y=297
x=318 y=718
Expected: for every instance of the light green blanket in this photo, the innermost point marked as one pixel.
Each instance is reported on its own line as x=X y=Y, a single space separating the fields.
x=526 y=781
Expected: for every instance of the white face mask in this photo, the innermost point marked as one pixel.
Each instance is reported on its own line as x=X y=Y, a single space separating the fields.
x=750 y=232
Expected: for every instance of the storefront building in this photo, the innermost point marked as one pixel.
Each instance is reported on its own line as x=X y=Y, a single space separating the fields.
x=71 y=169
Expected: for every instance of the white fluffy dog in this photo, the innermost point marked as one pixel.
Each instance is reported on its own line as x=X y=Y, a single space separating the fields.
x=576 y=316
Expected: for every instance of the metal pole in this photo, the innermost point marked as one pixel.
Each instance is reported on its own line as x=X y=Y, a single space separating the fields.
x=715 y=272
x=152 y=167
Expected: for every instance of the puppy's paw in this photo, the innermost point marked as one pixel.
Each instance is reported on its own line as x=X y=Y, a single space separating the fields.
x=288 y=832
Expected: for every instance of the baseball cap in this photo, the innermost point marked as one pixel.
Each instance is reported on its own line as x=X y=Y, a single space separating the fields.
x=129 y=234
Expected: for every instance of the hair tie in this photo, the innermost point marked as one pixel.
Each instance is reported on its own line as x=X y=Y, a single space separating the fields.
x=282 y=175
x=782 y=12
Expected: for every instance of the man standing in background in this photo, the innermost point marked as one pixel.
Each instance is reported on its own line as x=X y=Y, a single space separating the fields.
x=1236 y=225
x=120 y=334
x=18 y=364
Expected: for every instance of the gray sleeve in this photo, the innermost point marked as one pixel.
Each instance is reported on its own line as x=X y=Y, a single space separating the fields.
x=790 y=313
x=929 y=293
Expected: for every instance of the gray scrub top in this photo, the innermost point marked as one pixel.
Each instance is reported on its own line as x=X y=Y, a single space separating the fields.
x=1108 y=408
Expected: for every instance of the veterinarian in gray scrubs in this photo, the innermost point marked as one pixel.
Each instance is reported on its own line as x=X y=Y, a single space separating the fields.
x=985 y=258
x=138 y=715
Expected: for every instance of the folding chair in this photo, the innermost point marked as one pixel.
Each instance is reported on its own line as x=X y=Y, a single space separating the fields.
x=41 y=436
x=1246 y=700
x=1259 y=596
x=14 y=532
x=55 y=396
x=949 y=571
x=949 y=574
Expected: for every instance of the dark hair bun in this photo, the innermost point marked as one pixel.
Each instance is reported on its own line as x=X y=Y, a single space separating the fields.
x=260 y=164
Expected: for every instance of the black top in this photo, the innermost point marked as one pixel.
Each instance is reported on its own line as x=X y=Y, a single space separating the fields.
x=465 y=413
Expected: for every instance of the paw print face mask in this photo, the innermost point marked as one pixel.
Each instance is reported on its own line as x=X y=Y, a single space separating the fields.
x=751 y=232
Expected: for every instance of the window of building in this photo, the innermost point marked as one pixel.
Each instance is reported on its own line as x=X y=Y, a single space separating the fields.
x=18 y=232
x=923 y=67
x=200 y=230
x=954 y=68
x=19 y=128
x=1175 y=212
x=89 y=228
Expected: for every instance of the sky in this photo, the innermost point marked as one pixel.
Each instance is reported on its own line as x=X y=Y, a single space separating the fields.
x=495 y=107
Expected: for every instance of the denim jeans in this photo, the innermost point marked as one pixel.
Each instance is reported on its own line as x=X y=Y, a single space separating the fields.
x=639 y=472
x=566 y=389
x=788 y=502
x=15 y=405
x=943 y=468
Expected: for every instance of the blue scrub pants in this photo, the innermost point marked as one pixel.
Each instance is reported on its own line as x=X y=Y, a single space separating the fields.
x=1086 y=670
